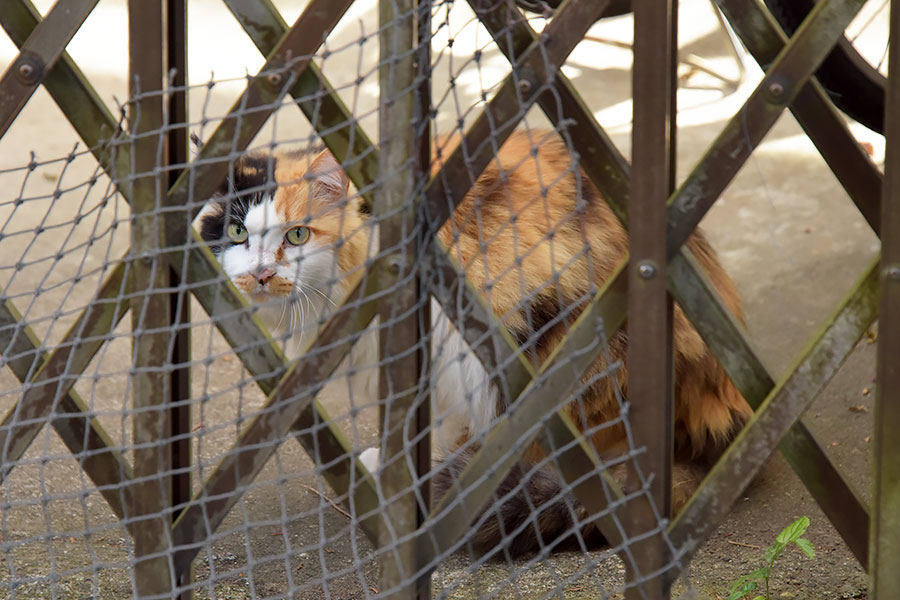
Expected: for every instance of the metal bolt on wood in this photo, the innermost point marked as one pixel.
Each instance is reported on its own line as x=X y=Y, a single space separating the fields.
x=647 y=270
x=318 y=100
x=27 y=71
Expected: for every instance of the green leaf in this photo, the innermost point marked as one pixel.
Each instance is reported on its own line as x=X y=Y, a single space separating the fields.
x=759 y=598
x=748 y=582
x=806 y=546
x=739 y=591
x=793 y=531
x=773 y=551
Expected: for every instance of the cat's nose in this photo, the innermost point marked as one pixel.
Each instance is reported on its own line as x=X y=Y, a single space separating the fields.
x=264 y=275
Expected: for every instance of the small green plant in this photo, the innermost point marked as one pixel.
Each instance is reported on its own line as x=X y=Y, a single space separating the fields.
x=750 y=582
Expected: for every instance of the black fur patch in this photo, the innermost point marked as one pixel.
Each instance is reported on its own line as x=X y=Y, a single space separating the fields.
x=541 y=514
x=212 y=229
x=247 y=184
x=543 y=310
x=252 y=177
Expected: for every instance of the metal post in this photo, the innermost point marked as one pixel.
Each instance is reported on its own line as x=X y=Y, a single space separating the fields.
x=884 y=537
x=177 y=141
x=404 y=313
x=150 y=310
x=649 y=306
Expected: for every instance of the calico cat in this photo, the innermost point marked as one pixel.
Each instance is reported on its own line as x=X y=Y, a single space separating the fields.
x=536 y=238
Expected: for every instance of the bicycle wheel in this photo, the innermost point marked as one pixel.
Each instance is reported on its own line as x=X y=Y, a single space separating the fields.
x=855 y=85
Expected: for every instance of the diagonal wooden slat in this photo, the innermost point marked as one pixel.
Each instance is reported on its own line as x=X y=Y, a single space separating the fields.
x=609 y=171
x=781 y=409
x=260 y=100
x=315 y=96
x=483 y=331
x=794 y=65
x=38 y=54
x=815 y=113
x=517 y=370
x=266 y=363
x=690 y=202
x=262 y=436
x=59 y=372
x=85 y=437
x=597 y=155
x=803 y=452
x=541 y=397
x=70 y=90
x=533 y=70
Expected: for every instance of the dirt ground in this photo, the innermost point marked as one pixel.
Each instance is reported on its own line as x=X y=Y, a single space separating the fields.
x=784 y=229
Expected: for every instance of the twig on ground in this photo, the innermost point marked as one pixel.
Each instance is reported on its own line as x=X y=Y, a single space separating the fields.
x=743 y=545
x=336 y=506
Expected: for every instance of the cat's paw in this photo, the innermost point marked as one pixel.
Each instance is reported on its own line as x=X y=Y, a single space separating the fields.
x=369 y=458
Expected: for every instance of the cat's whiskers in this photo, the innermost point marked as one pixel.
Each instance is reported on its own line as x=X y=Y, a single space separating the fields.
x=284 y=306
x=307 y=285
x=311 y=307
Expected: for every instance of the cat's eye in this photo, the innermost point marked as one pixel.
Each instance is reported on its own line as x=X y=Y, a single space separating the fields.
x=297 y=235
x=237 y=233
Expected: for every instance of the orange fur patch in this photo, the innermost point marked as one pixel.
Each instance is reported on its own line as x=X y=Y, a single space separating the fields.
x=532 y=247
x=523 y=241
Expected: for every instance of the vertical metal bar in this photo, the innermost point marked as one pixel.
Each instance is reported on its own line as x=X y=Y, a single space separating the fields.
x=649 y=306
x=177 y=152
x=884 y=538
x=404 y=313
x=151 y=319
x=422 y=142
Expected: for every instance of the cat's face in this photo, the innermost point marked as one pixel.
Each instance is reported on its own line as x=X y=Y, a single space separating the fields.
x=285 y=232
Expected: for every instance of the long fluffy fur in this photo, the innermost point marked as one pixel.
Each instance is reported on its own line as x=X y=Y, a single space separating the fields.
x=521 y=233
x=534 y=235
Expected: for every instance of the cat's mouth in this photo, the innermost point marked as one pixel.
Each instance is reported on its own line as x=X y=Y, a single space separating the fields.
x=275 y=287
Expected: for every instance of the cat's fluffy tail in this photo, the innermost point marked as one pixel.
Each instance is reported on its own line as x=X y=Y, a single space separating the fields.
x=531 y=510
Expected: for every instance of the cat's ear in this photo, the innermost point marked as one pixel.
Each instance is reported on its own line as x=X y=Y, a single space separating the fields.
x=328 y=180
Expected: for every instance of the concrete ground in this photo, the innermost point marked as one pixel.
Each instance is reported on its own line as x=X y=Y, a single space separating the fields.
x=784 y=229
